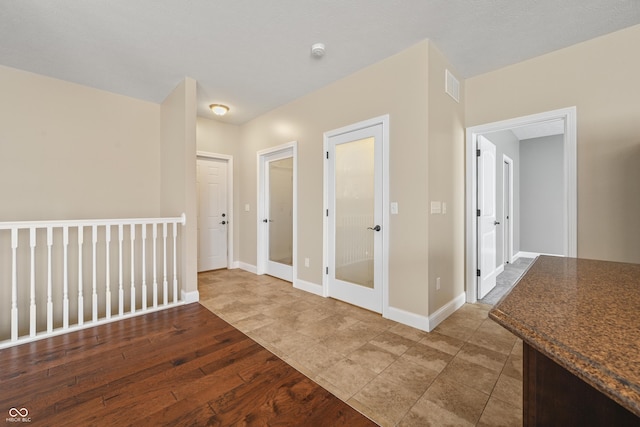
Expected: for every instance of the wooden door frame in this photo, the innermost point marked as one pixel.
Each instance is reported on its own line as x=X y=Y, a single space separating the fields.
x=262 y=251
x=569 y=116
x=232 y=219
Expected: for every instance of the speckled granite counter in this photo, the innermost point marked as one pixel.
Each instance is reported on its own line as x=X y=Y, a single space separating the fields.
x=584 y=315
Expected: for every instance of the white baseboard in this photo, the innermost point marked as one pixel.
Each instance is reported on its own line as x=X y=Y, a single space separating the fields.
x=407 y=318
x=446 y=310
x=189 y=297
x=248 y=267
x=234 y=265
x=308 y=287
x=500 y=269
x=523 y=254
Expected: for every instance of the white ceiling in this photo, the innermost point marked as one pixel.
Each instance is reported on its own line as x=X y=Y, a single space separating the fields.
x=254 y=55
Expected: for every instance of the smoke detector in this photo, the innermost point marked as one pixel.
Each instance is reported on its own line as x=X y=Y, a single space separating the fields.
x=317 y=50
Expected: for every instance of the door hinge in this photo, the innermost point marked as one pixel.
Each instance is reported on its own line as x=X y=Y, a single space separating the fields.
x=327 y=154
x=478 y=212
x=326 y=270
x=478 y=273
x=327 y=212
x=478 y=152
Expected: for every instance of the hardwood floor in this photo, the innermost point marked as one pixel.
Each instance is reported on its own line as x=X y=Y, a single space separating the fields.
x=182 y=366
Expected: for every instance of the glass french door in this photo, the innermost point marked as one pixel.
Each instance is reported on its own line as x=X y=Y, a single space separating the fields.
x=277 y=212
x=354 y=196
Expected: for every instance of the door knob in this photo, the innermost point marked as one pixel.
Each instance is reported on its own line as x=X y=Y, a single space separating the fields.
x=496 y=222
x=376 y=228
x=223 y=222
x=265 y=220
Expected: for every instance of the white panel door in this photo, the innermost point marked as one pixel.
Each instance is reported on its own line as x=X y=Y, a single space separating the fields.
x=355 y=211
x=213 y=219
x=487 y=219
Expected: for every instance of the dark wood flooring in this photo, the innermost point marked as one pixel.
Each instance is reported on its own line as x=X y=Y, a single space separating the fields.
x=180 y=367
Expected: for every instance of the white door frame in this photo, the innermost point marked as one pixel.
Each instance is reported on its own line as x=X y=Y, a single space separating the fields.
x=570 y=184
x=507 y=242
x=231 y=219
x=261 y=242
x=384 y=121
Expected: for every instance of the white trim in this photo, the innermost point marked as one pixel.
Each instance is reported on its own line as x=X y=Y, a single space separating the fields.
x=386 y=235
x=310 y=287
x=407 y=318
x=236 y=264
x=262 y=254
x=229 y=159
x=446 y=310
x=189 y=297
x=523 y=254
x=500 y=269
x=570 y=142
x=247 y=267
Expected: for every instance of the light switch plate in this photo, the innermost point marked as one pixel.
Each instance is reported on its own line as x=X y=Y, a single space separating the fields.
x=247 y=208
x=394 y=208
x=436 y=207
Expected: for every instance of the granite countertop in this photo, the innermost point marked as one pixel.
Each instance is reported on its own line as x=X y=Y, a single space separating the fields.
x=585 y=316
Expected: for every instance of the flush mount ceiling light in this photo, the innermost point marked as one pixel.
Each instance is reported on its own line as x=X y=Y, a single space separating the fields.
x=219 y=109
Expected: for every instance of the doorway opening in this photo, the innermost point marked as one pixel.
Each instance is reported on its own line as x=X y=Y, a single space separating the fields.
x=277 y=211
x=567 y=119
x=214 y=179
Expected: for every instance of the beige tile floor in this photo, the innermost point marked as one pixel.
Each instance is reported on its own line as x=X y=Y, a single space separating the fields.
x=466 y=372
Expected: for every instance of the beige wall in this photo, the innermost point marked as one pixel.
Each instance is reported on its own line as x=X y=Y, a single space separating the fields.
x=178 y=173
x=72 y=152
x=446 y=184
x=396 y=86
x=223 y=138
x=599 y=77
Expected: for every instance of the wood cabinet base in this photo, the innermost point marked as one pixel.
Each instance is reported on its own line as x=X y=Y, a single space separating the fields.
x=554 y=396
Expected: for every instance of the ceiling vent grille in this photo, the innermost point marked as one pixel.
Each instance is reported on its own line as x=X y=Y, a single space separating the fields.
x=452 y=86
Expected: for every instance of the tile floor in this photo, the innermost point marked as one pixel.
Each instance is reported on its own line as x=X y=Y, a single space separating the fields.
x=466 y=372
x=506 y=280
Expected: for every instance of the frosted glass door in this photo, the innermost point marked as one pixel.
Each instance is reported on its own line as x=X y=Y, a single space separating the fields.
x=355 y=192
x=281 y=211
x=354 y=217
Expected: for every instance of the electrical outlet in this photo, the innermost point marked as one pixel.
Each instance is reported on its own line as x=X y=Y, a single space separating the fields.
x=437 y=283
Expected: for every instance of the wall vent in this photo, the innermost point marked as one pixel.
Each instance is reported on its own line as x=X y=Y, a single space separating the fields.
x=452 y=86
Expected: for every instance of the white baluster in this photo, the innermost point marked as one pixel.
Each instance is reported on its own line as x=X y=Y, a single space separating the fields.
x=175 y=263
x=49 y=281
x=144 y=267
x=80 y=281
x=132 y=227
x=32 y=290
x=107 y=302
x=94 y=284
x=155 y=268
x=120 y=287
x=65 y=280
x=165 y=285
x=14 y=284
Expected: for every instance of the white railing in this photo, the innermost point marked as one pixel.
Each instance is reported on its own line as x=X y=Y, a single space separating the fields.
x=47 y=268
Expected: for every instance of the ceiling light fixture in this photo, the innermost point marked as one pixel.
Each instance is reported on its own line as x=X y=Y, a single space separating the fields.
x=219 y=109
